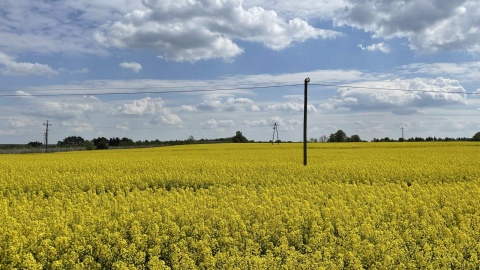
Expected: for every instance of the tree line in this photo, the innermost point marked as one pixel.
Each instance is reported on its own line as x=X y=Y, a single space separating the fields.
x=341 y=136
x=104 y=143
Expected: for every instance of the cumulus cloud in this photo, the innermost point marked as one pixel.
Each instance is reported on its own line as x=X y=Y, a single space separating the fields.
x=428 y=25
x=231 y=104
x=318 y=9
x=57 y=27
x=8 y=66
x=382 y=47
x=416 y=93
x=213 y=123
x=154 y=107
x=136 y=67
x=196 y=30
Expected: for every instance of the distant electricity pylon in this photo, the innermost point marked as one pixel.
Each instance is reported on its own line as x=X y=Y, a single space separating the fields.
x=402 y=133
x=275 y=130
x=46 y=135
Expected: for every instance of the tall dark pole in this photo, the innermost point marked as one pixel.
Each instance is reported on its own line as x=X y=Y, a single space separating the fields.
x=307 y=80
x=46 y=136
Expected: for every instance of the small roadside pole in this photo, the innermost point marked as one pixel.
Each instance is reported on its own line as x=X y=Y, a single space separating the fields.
x=307 y=80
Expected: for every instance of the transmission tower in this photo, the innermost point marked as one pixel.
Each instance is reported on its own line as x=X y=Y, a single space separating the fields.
x=275 y=131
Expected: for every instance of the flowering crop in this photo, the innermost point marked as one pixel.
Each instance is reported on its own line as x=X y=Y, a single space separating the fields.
x=244 y=206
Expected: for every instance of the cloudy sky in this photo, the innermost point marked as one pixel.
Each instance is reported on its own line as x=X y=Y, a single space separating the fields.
x=168 y=69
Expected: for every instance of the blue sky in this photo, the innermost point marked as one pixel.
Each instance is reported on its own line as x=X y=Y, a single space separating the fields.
x=66 y=60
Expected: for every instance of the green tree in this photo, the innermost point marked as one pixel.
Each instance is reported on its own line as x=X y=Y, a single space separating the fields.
x=101 y=143
x=476 y=137
x=35 y=144
x=239 y=138
x=71 y=141
x=354 y=138
x=340 y=136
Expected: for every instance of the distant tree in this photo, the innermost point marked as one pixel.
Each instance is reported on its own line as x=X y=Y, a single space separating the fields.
x=331 y=138
x=35 y=144
x=340 y=136
x=401 y=139
x=101 y=143
x=114 y=141
x=72 y=141
x=126 y=142
x=239 y=138
x=89 y=145
x=190 y=138
x=354 y=138
x=323 y=138
x=476 y=137
x=313 y=140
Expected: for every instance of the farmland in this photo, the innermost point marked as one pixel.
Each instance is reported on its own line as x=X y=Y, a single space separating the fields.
x=244 y=206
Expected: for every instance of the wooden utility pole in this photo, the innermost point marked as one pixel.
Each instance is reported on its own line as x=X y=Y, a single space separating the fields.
x=46 y=136
x=307 y=80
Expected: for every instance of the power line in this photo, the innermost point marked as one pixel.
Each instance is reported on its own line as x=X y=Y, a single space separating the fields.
x=222 y=88
x=395 y=89
x=151 y=92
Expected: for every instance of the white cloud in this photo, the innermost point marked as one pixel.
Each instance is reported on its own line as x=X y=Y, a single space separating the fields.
x=136 y=67
x=240 y=104
x=8 y=66
x=417 y=93
x=188 y=108
x=197 y=30
x=290 y=106
x=428 y=25
x=209 y=105
x=231 y=104
x=323 y=9
x=382 y=47
x=57 y=27
x=154 y=107
x=213 y=123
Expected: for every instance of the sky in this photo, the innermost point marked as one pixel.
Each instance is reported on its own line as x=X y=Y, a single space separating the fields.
x=167 y=70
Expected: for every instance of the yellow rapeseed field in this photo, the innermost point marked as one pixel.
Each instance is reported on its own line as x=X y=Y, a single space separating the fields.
x=244 y=206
